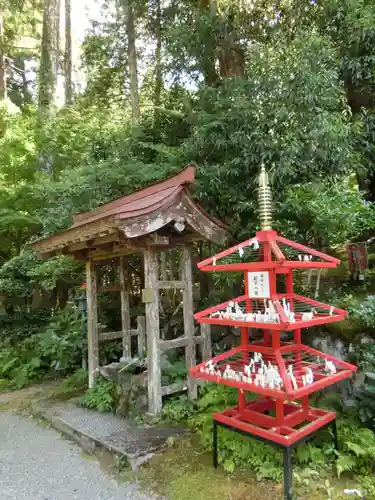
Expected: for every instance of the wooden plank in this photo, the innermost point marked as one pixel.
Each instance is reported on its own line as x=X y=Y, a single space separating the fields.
x=109 y=236
x=109 y=288
x=171 y=285
x=166 y=345
x=187 y=278
x=92 y=323
x=206 y=348
x=157 y=239
x=163 y=266
x=172 y=388
x=148 y=295
x=106 y=336
x=153 y=332
x=141 y=332
x=125 y=310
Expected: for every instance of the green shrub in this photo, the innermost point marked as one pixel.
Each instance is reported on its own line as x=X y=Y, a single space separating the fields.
x=103 y=397
x=364 y=315
x=58 y=348
x=22 y=324
x=357 y=444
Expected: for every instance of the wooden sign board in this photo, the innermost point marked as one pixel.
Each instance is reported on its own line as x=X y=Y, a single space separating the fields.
x=259 y=285
x=147 y=295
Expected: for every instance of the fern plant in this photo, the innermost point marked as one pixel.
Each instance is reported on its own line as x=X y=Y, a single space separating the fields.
x=102 y=397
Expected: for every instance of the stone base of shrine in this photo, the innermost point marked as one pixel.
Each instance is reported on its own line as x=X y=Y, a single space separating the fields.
x=283 y=423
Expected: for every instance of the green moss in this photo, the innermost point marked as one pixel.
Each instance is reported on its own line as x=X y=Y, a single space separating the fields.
x=346 y=329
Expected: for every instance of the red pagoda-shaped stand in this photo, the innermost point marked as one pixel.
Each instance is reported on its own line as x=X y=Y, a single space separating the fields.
x=279 y=368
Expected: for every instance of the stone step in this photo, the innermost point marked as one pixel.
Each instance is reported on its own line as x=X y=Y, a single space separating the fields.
x=138 y=443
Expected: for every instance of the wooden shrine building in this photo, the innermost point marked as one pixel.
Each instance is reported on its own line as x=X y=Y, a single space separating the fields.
x=155 y=219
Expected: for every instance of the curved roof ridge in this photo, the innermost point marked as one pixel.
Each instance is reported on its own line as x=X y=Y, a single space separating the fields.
x=185 y=176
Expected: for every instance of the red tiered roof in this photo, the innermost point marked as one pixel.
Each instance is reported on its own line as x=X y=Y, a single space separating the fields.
x=280 y=371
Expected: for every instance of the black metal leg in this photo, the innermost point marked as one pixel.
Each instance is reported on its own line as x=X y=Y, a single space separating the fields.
x=288 y=473
x=335 y=436
x=214 y=432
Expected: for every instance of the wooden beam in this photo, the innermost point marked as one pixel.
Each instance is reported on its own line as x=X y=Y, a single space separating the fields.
x=102 y=255
x=125 y=310
x=100 y=241
x=107 y=336
x=166 y=345
x=167 y=285
x=157 y=239
x=206 y=347
x=141 y=329
x=109 y=288
x=187 y=278
x=163 y=266
x=92 y=323
x=153 y=331
x=172 y=388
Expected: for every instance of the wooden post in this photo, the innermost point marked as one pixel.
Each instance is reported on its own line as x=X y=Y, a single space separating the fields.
x=141 y=327
x=125 y=311
x=163 y=266
x=206 y=346
x=92 y=322
x=151 y=299
x=190 y=355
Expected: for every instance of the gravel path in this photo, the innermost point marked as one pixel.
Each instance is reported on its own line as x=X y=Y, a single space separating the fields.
x=36 y=464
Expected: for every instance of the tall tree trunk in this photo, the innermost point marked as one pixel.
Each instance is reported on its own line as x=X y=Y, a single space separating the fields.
x=209 y=43
x=68 y=53
x=3 y=73
x=132 y=56
x=49 y=58
x=26 y=95
x=158 y=64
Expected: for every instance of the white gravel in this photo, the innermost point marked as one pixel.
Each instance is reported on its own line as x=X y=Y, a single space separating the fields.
x=36 y=464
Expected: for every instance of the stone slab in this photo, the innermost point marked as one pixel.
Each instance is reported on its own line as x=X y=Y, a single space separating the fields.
x=118 y=435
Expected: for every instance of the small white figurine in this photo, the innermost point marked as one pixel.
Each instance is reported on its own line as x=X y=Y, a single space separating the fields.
x=307 y=316
x=247 y=368
x=294 y=382
x=249 y=317
x=292 y=378
x=330 y=367
x=258 y=357
x=309 y=376
x=238 y=313
x=241 y=252
x=255 y=244
x=214 y=261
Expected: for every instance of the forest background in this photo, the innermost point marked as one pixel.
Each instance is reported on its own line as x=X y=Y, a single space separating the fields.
x=228 y=85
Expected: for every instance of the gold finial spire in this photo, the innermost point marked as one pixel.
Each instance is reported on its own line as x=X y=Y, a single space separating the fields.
x=265 y=200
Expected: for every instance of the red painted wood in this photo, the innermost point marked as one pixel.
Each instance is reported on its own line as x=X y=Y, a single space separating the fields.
x=307 y=250
x=250 y=417
x=243 y=266
x=275 y=434
x=225 y=253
